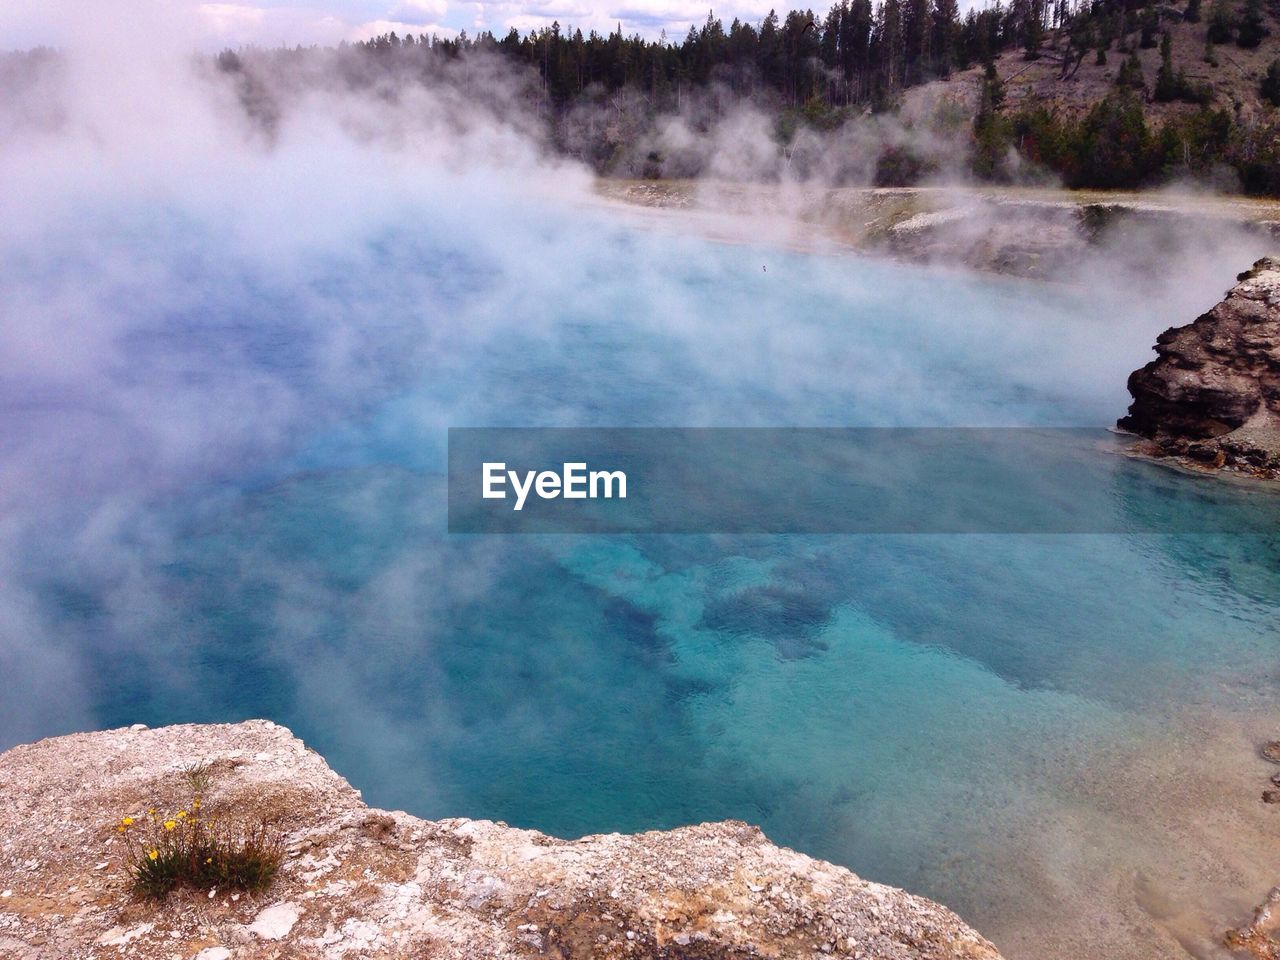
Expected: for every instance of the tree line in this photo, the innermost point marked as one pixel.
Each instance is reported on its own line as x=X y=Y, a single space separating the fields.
x=827 y=71
x=856 y=54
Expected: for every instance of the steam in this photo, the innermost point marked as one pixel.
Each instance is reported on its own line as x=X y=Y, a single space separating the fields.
x=719 y=135
x=188 y=290
x=241 y=304
x=216 y=280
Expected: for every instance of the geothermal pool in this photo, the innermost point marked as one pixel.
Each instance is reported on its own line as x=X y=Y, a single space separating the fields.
x=224 y=498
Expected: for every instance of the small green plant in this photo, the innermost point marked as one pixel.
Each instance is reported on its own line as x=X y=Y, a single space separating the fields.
x=199 y=776
x=199 y=849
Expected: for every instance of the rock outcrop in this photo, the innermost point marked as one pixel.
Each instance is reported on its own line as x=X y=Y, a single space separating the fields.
x=1260 y=938
x=1035 y=234
x=1212 y=395
x=359 y=882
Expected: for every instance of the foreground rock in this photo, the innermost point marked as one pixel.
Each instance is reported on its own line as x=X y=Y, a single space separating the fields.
x=367 y=883
x=1212 y=395
x=1260 y=938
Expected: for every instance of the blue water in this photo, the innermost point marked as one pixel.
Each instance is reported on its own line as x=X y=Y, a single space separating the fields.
x=224 y=499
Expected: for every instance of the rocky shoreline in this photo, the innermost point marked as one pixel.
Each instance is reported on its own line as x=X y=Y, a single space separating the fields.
x=1039 y=234
x=1211 y=398
x=359 y=882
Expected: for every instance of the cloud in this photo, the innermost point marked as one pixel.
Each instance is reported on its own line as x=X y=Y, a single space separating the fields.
x=427 y=11
x=378 y=28
x=232 y=17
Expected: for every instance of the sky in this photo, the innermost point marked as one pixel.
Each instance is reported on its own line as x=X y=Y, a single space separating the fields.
x=213 y=25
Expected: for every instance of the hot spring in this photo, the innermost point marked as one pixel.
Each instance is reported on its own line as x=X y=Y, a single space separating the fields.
x=223 y=497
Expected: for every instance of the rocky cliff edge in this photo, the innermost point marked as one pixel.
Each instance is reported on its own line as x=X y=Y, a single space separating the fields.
x=1212 y=395
x=358 y=882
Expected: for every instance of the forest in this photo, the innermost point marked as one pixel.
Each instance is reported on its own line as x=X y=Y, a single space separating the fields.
x=1131 y=93
x=820 y=73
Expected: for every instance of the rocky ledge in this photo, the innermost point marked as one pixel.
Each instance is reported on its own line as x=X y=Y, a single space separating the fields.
x=1212 y=395
x=1040 y=234
x=358 y=882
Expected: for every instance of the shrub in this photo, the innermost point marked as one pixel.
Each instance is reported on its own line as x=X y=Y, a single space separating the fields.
x=1252 y=30
x=1271 y=84
x=989 y=160
x=199 y=848
x=1150 y=25
x=1255 y=153
x=1046 y=140
x=1114 y=145
x=1221 y=23
x=898 y=165
x=1194 y=143
x=1171 y=85
x=1130 y=75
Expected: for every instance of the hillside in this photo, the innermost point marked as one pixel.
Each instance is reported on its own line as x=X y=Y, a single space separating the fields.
x=1235 y=81
x=1115 y=94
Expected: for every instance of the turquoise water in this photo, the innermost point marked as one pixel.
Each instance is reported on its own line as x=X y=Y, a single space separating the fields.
x=225 y=499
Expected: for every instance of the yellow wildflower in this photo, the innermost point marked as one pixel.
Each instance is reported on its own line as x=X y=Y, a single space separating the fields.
x=120 y=829
x=170 y=824
x=127 y=821
x=153 y=854
x=208 y=859
x=182 y=814
x=195 y=804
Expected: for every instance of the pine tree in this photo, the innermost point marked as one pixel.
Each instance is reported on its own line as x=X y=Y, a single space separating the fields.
x=945 y=16
x=890 y=45
x=1150 y=23
x=1080 y=40
x=1130 y=74
x=829 y=44
x=1115 y=148
x=1221 y=23
x=1252 y=30
x=917 y=31
x=855 y=46
x=1271 y=84
x=990 y=131
x=1030 y=14
x=769 y=55
x=1169 y=85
